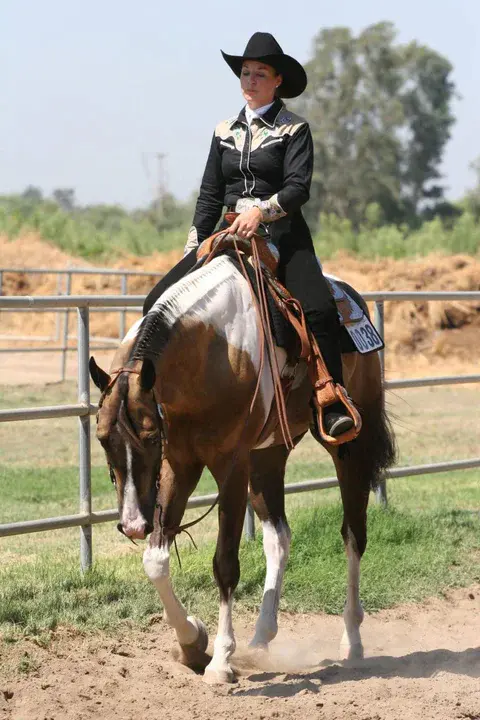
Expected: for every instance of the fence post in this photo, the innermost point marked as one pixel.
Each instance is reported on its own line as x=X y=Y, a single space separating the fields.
x=123 y=312
x=249 y=522
x=378 y=321
x=57 y=315
x=84 y=438
x=68 y=291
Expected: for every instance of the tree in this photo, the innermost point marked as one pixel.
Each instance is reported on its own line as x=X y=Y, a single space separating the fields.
x=426 y=98
x=65 y=198
x=32 y=195
x=380 y=118
x=168 y=213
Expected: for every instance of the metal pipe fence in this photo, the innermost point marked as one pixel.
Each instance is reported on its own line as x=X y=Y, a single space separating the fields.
x=64 y=287
x=86 y=517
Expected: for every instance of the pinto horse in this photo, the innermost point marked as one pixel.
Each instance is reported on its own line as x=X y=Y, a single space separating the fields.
x=178 y=399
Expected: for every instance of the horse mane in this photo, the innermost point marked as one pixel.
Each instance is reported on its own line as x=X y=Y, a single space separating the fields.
x=153 y=336
x=178 y=300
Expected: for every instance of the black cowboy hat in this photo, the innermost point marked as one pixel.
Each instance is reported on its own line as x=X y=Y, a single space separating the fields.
x=264 y=48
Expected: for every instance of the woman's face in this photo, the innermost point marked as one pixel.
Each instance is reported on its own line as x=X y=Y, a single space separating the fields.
x=258 y=82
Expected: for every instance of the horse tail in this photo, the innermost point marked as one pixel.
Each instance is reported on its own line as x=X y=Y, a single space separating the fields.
x=375 y=449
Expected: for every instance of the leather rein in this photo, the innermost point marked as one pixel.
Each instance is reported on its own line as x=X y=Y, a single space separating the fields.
x=266 y=342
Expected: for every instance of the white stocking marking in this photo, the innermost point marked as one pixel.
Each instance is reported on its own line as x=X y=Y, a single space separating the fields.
x=156 y=561
x=224 y=645
x=351 y=644
x=276 y=545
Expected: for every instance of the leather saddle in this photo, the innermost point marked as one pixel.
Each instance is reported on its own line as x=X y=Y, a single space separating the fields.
x=326 y=392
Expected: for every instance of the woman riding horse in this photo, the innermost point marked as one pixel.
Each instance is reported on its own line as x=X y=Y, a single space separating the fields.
x=181 y=394
x=260 y=166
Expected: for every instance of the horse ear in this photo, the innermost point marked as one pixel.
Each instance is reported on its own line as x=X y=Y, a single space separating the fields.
x=99 y=376
x=147 y=375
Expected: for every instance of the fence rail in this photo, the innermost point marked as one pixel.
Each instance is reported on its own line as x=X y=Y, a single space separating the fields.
x=86 y=518
x=61 y=331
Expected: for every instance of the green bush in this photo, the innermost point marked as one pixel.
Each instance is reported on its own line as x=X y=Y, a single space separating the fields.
x=98 y=232
x=105 y=232
x=398 y=242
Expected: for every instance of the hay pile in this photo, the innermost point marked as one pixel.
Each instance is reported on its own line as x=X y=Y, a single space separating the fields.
x=437 y=328
x=420 y=332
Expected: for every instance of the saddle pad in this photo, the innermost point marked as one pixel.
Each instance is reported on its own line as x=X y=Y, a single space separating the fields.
x=358 y=334
x=353 y=316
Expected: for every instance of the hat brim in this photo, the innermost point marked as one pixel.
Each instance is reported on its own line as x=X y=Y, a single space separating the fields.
x=294 y=76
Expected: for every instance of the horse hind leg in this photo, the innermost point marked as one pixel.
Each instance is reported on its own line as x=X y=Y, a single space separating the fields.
x=190 y=631
x=267 y=472
x=360 y=466
x=351 y=646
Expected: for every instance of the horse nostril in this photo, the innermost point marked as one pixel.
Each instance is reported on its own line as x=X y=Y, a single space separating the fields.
x=120 y=528
x=148 y=529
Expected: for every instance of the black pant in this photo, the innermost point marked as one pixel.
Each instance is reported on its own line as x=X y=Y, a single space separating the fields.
x=301 y=274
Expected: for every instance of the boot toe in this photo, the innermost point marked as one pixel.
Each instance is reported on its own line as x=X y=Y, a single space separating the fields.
x=336 y=424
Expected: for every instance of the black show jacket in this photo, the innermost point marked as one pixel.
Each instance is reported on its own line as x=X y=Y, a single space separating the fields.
x=267 y=164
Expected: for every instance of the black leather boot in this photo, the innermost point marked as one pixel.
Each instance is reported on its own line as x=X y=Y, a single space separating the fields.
x=336 y=420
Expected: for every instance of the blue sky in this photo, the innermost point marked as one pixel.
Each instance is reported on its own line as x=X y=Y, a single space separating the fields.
x=90 y=87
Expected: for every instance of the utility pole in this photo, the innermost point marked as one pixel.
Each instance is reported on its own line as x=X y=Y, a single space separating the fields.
x=159 y=186
x=161 y=183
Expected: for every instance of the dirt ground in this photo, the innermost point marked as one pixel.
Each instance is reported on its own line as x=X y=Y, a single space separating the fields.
x=422 y=661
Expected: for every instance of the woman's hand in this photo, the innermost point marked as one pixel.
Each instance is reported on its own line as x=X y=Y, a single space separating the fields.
x=246 y=224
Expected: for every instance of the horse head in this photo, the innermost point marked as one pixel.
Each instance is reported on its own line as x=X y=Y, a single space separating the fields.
x=130 y=430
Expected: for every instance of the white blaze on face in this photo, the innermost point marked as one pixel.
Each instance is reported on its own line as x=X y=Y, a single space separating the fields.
x=133 y=522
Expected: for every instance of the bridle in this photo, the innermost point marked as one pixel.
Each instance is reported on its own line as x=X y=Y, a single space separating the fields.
x=114 y=375
x=161 y=415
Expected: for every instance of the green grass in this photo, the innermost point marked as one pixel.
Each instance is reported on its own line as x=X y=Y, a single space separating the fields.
x=429 y=539
x=410 y=556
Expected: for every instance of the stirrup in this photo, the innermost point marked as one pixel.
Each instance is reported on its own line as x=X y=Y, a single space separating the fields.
x=337 y=394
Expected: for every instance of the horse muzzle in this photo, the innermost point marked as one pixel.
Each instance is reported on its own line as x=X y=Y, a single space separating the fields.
x=135 y=531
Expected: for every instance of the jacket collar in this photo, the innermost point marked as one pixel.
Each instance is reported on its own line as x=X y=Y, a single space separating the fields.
x=268 y=118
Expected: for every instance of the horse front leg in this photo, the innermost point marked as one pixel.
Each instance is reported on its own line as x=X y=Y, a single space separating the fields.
x=232 y=476
x=267 y=472
x=175 y=488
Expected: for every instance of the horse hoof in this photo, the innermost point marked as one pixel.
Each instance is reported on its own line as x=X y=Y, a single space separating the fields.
x=194 y=655
x=350 y=653
x=220 y=676
x=258 y=645
x=201 y=643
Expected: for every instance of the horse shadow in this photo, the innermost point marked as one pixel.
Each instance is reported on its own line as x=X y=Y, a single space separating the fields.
x=414 y=665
